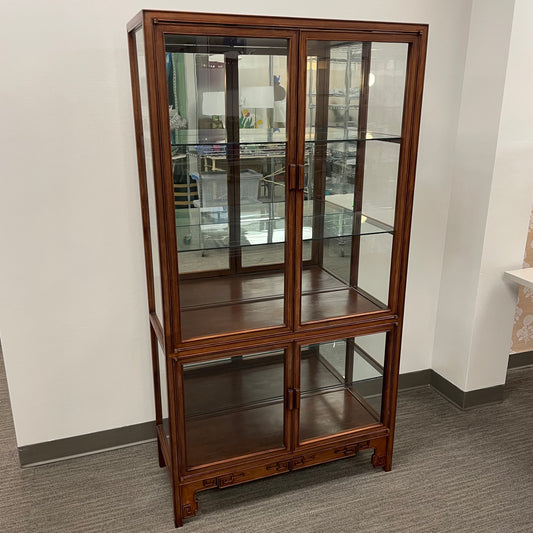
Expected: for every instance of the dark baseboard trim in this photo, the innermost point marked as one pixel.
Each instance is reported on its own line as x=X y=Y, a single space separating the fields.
x=462 y=399
x=57 y=450
x=517 y=360
x=413 y=380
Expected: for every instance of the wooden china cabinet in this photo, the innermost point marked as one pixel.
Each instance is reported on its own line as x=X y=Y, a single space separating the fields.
x=276 y=161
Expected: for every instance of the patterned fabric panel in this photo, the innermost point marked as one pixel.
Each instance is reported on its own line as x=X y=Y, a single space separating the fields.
x=523 y=320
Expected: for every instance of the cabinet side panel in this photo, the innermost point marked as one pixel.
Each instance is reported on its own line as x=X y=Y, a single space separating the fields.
x=146 y=174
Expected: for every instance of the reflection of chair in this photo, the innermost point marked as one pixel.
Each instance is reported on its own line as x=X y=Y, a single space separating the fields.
x=185 y=195
x=213 y=204
x=213 y=188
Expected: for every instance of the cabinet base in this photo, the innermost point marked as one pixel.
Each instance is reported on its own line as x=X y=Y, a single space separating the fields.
x=185 y=492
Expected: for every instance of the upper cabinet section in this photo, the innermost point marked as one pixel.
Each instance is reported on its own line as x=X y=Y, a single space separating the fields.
x=283 y=155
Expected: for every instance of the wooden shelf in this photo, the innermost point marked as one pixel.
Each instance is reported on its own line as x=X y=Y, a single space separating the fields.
x=224 y=304
x=331 y=412
x=223 y=436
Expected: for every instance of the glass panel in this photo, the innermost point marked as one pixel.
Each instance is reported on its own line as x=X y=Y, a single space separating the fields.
x=143 y=88
x=341 y=385
x=164 y=388
x=234 y=406
x=388 y=65
x=353 y=135
x=227 y=101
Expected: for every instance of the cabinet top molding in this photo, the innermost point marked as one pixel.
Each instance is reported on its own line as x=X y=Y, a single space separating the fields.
x=185 y=17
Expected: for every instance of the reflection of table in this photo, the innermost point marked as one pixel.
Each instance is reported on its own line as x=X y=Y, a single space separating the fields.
x=341 y=200
x=256 y=161
x=269 y=163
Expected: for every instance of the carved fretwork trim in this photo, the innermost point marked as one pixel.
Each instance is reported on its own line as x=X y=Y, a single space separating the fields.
x=222 y=481
x=188 y=511
x=291 y=464
x=281 y=466
x=230 y=479
x=300 y=461
x=353 y=449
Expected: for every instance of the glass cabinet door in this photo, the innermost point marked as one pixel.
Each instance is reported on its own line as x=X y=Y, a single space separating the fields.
x=234 y=406
x=353 y=123
x=227 y=98
x=341 y=385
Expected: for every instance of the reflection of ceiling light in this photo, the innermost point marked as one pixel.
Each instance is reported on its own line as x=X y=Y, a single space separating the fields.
x=371 y=79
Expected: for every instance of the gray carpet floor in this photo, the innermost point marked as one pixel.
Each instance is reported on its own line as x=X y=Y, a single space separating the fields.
x=453 y=471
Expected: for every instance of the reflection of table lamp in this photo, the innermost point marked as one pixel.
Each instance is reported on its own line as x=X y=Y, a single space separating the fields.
x=255 y=98
x=262 y=97
x=214 y=104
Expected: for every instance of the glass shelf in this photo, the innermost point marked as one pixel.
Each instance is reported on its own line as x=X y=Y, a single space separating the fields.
x=337 y=106
x=353 y=93
x=218 y=137
x=350 y=134
x=197 y=139
x=264 y=230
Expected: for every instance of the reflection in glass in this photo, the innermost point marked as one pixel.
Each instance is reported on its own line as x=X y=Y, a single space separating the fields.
x=227 y=107
x=354 y=109
x=164 y=388
x=149 y=169
x=341 y=385
x=233 y=406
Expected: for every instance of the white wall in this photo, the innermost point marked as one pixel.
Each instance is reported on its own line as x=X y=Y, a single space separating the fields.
x=473 y=157
x=72 y=287
x=492 y=191
x=509 y=208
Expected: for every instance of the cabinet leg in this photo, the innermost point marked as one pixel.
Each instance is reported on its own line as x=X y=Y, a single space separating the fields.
x=185 y=504
x=380 y=457
x=160 y=455
x=378 y=460
x=178 y=510
x=388 y=456
x=189 y=505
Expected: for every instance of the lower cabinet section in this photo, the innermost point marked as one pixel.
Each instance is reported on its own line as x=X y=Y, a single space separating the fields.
x=243 y=415
x=240 y=404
